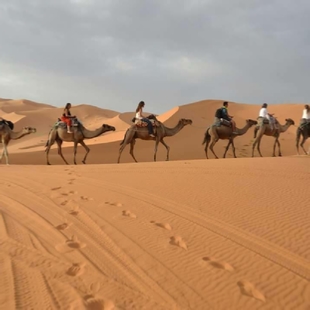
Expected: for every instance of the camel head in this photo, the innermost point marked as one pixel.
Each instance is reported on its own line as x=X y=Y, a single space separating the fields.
x=251 y=122
x=185 y=121
x=108 y=127
x=289 y=121
x=28 y=130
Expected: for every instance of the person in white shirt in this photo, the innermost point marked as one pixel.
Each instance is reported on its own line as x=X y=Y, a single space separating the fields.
x=263 y=113
x=141 y=117
x=305 y=119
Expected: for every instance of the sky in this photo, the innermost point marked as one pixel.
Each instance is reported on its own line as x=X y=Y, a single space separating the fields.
x=113 y=54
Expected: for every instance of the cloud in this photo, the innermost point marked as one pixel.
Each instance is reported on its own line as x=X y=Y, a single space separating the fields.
x=116 y=53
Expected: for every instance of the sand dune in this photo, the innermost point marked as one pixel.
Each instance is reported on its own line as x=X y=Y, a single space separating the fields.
x=186 y=234
x=225 y=234
x=184 y=146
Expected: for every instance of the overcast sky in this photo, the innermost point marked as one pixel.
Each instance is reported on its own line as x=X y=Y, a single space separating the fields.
x=114 y=53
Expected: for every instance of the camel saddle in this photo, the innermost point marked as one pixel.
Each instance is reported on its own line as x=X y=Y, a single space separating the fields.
x=304 y=124
x=218 y=122
x=141 y=123
x=264 y=121
x=61 y=124
x=6 y=122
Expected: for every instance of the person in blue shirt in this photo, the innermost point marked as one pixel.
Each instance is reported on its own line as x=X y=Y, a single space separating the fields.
x=223 y=113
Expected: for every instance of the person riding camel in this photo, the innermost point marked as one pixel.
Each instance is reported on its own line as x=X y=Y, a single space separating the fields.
x=263 y=113
x=222 y=113
x=142 y=118
x=66 y=117
x=305 y=119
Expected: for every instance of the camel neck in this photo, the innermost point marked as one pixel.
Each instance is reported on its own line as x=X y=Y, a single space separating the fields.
x=90 y=134
x=285 y=127
x=18 y=135
x=243 y=130
x=172 y=131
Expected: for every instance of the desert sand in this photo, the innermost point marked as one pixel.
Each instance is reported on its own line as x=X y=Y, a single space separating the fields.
x=190 y=233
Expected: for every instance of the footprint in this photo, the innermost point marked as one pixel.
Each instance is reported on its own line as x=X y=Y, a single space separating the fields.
x=117 y=204
x=219 y=264
x=177 y=240
x=95 y=303
x=55 y=188
x=73 y=192
x=129 y=214
x=247 y=288
x=74 y=243
x=163 y=225
x=86 y=198
x=76 y=269
x=64 y=202
x=75 y=211
x=64 y=225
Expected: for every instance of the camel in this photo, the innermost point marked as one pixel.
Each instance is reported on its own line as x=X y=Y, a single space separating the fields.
x=59 y=134
x=303 y=131
x=7 y=134
x=224 y=132
x=264 y=129
x=139 y=131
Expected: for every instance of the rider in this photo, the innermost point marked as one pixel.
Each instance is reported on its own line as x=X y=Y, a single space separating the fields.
x=263 y=113
x=66 y=117
x=141 y=117
x=305 y=119
x=223 y=113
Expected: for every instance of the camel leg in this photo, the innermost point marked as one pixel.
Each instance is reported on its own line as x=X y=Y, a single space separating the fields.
x=207 y=145
x=132 y=146
x=87 y=149
x=233 y=147
x=155 y=149
x=227 y=147
x=258 y=148
x=212 y=145
x=5 y=152
x=167 y=148
x=253 y=147
x=255 y=131
x=279 y=147
x=121 y=149
x=274 y=147
x=47 y=152
x=75 y=151
x=59 y=143
x=304 y=138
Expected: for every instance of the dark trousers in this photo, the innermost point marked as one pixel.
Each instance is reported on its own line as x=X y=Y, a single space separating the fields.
x=149 y=125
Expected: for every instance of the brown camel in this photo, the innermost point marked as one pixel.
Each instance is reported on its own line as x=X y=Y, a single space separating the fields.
x=303 y=131
x=160 y=131
x=59 y=134
x=264 y=129
x=224 y=132
x=7 y=134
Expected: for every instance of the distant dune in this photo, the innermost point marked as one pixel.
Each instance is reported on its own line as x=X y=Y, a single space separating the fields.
x=185 y=145
x=190 y=233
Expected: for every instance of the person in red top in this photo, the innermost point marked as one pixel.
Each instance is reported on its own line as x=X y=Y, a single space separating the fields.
x=66 y=117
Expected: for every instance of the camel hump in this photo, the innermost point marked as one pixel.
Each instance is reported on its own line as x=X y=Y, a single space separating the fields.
x=7 y=122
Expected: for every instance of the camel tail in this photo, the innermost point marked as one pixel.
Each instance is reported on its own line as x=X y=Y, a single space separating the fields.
x=207 y=137
x=124 y=137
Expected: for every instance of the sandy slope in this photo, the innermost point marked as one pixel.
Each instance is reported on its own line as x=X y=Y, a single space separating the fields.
x=104 y=149
x=226 y=234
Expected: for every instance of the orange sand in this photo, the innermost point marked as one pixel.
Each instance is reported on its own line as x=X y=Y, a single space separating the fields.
x=186 y=234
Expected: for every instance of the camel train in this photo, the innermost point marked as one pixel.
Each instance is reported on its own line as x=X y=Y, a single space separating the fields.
x=69 y=129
